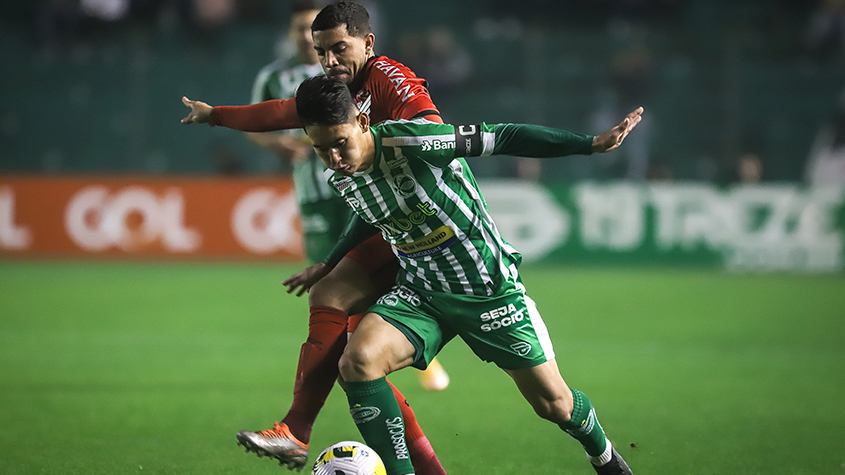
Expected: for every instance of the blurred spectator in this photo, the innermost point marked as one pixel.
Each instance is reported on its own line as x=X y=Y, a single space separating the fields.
x=437 y=56
x=631 y=82
x=826 y=30
x=212 y=14
x=106 y=10
x=749 y=168
x=826 y=163
x=659 y=171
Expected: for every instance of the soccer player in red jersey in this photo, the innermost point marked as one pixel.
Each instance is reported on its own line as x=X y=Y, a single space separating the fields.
x=385 y=89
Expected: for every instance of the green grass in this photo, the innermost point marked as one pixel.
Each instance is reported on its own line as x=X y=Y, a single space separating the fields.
x=110 y=368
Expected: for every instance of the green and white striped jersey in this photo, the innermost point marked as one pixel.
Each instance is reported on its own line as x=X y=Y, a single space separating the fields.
x=279 y=80
x=428 y=206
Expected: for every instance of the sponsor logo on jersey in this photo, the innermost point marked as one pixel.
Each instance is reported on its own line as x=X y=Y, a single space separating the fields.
x=433 y=243
x=342 y=184
x=397 y=78
x=398 y=162
x=364 y=414
x=400 y=292
x=394 y=226
x=429 y=145
x=502 y=317
x=405 y=186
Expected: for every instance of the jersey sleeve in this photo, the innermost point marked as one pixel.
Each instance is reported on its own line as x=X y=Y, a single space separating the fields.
x=400 y=93
x=521 y=140
x=357 y=231
x=261 y=117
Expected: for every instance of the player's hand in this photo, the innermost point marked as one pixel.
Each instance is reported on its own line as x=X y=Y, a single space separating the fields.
x=200 y=112
x=613 y=138
x=302 y=281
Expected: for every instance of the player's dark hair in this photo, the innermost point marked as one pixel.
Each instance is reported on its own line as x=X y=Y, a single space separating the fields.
x=300 y=6
x=323 y=100
x=354 y=16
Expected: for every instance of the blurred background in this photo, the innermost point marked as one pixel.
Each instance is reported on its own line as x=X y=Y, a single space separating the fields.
x=739 y=161
x=741 y=90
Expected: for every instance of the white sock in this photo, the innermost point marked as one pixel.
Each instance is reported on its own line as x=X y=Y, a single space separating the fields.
x=602 y=459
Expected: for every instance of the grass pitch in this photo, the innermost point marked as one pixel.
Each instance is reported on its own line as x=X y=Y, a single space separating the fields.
x=110 y=368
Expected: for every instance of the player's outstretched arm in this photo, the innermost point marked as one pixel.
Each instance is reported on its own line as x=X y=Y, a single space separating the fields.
x=613 y=138
x=200 y=112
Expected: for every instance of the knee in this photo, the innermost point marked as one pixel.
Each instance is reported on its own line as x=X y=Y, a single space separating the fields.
x=360 y=363
x=556 y=409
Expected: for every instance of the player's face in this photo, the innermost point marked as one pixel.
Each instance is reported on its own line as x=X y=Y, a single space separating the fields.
x=300 y=33
x=345 y=148
x=343 y=56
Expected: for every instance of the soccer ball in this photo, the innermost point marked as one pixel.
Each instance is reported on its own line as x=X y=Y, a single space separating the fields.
x=348 y=458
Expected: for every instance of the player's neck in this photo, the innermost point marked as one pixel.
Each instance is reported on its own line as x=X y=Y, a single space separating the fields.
x=369 y=150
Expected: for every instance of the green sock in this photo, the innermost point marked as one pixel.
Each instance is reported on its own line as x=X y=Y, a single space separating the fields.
x=376 y=413
x=585 y=428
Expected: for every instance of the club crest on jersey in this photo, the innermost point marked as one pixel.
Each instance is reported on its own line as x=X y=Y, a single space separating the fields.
x=404 y=185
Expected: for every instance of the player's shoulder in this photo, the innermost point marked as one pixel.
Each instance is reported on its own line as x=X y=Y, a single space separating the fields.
x=384 y=66
x=419 y=125
x=422 y=133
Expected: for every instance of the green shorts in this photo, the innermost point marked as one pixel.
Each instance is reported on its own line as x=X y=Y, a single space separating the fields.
x=505 y=328
x=322 y=224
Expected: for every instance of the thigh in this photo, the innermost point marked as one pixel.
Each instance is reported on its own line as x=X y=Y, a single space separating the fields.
x=361 y=277
x=375 y=349
x=412 y=314
x=348 y=287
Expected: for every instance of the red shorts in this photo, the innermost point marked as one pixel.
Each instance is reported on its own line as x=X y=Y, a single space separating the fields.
x=372 y=254
x=377 y=259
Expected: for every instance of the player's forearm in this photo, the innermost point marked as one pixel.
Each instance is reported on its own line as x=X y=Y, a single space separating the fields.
x=536 y=141
x=259 y=117
x=357 y=231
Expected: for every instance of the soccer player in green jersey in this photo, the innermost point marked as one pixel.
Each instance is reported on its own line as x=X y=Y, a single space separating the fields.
x=323 y=214
x=458 y=277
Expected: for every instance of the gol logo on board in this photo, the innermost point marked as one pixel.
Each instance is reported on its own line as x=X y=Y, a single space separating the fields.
x=130 y=219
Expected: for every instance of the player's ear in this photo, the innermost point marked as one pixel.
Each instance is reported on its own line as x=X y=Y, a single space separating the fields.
x=369 y=42
x=363 y=121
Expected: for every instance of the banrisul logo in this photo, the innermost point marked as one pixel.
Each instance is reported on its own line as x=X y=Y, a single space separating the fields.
x=435 y=144
x=364 y=414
